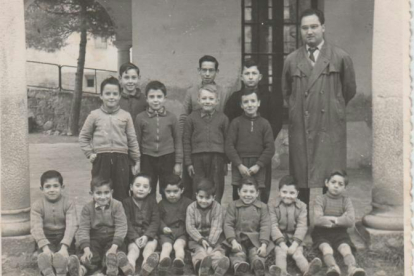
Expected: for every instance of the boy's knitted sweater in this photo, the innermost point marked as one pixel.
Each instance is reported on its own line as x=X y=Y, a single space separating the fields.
x=335 y=206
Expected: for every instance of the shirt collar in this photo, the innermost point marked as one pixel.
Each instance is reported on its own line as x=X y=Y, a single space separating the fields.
x=160 y=112
x=137 y=94
x=97 y=206
x=279 y=202
x=110 y=112
x=240 y=203
x=207 y=114
x=319 y=47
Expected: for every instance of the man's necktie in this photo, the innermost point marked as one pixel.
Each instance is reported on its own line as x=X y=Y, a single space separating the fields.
x=311 y=51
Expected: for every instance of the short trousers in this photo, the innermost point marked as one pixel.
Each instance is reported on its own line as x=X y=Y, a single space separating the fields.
x=332 y=236
x=55 y=244
x=171 y=238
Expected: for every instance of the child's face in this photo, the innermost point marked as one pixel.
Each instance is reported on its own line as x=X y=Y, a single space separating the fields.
x=140 y=188
x=52 y=189
x=203 y=199
x=102 y=195
x=335 y=185
x=155 y=99
x=110 y=96
x=251 y=76
x=289 y=194
x=207 y=72
x=248 y=193
x=250 y=104
x=173 y=193
x=207 y=100
x=129 y=81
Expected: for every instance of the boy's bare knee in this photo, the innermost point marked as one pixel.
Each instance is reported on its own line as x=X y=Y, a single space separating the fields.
x=344 y=249
x=179 y=244
x=325 y=248
x=280 y=250
x=167 y=246
x=132 y=247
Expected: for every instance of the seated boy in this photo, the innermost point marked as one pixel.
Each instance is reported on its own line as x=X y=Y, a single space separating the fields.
x=143 y=222
x=334 y=214
x=204 y=225
x=54 y=223
x=247 y=230
x=158 y=137
x=172 y=229
x=102 y=229
x=289 y=227
x=249 y=145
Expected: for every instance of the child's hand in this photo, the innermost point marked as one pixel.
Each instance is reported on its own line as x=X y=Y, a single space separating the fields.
x=112 y=250
x=92 y=157
x=205 y=244
x=87 y=255
x=243 y=170
x=135 y=168
x=262 y=250
x=284 y=246
x=236 y=247
x=46 y=250
x=141 y=242
x=166 y=230
x=64 y=251
x=209 y=250
x=177 y=169
x=254 y=169
x=292 y=249
x=190 y=170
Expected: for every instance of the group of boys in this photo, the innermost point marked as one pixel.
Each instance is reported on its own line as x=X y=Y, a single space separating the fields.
x=129 y=157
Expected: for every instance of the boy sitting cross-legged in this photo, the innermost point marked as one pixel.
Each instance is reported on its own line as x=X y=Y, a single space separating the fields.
x=102 y=229
x=247 y=230
x=289 y=226
x=172 y=229
x=53 y=226
x=334 y=213
x=143 y=220
x=204 y=225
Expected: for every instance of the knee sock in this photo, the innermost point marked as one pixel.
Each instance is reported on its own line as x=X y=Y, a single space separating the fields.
x=329 y=260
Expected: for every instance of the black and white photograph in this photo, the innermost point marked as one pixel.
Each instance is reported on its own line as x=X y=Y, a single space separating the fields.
x=206 y=137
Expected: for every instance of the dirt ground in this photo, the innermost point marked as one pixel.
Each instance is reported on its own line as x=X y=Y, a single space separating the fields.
x=63 y=153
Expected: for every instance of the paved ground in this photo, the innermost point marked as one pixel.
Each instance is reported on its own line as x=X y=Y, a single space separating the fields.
x=63 y=154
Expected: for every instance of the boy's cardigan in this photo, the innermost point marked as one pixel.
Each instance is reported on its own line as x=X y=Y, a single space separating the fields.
x=288 y=219
x=105 y=131
x=204 y=133
x=96 y=223
x=337 y=206
x=173 y=215
x=206 y=223
x=250 y=137
x=144 y=220
x=158 y=134
x=53 y=217
x=251 y=220
x=134 y=104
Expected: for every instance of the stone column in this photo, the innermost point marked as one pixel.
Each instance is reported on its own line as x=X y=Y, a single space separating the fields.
x=123 y=47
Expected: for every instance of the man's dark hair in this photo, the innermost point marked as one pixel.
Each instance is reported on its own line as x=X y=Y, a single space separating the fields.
x=174 y=180
x=208 y=58
x=155 y=85
x=99 y=181
x=316 y=12
x=49 y=175
x=110 y=80
x=207 y=186
x=250 y=63
x=126 y=67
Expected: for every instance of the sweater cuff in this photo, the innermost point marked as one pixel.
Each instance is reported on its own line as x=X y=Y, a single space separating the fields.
x=43 y=242
x=230 y=240
x=299 y=241
x=118 y=241
x=260 y=164
x=279 y=241
x=83 y=244
x=265 y=242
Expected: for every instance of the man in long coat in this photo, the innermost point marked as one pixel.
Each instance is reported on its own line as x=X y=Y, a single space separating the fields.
x=318 y=81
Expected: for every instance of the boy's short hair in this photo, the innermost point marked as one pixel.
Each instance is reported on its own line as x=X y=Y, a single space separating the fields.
x=207 y=186
x=250 y=181
x=49 y=175
x=126 y=67
x=212 y=88
x=99 y=181
x=110 y=80
x=250 y=63
x=248 y=92
x=143 y=175
x=174 y=180
x=209 y=59
x=288 y=180
x=340 y=173
x=155 y=85
x=316 y=12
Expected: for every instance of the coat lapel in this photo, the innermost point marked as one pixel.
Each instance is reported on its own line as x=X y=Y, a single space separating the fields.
x=304 y=64
x=321 y=63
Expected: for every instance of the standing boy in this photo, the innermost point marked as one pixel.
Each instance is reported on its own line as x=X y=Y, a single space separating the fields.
x=203 y=141
x=271 y=108
x=108 y=139
x=247 y=230
x=143 y=222
x=54 y=223
x=249 y=145
x=158 y=137
x=102 y=229
x=289 y=227
x=172 y=229
x=334 y=214
x=204 y=225
x=132 y=99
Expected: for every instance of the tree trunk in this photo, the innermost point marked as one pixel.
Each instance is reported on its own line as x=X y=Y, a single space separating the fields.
x=77 y=93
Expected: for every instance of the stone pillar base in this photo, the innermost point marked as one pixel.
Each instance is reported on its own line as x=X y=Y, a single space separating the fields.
x=388 y=218
x=17 y=254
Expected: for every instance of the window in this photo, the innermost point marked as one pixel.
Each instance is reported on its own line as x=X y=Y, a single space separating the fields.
x=90 y=80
